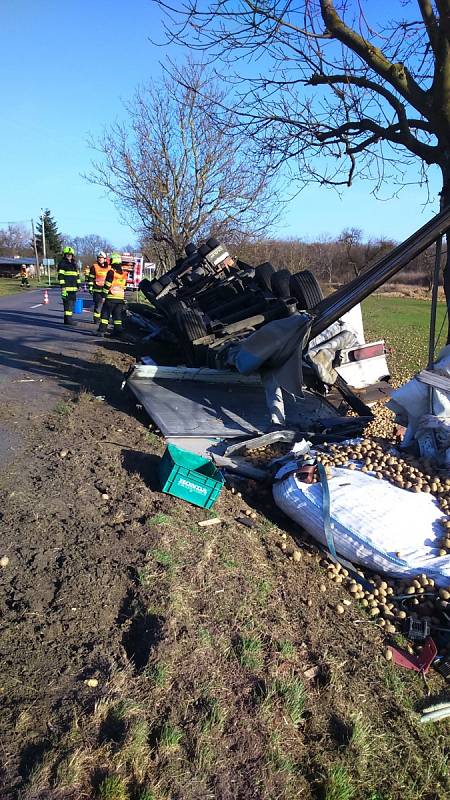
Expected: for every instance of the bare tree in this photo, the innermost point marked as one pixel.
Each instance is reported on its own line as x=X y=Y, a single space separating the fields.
x=87 y=247
x=368 y=86
x=15 y=240
x=176 y=174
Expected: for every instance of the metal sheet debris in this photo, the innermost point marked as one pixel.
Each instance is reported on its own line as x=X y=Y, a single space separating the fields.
x=214 y=405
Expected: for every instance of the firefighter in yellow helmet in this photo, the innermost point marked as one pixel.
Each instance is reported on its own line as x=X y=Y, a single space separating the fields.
x=114 y=294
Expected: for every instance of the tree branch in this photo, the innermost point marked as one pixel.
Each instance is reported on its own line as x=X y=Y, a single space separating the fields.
x=397 y=75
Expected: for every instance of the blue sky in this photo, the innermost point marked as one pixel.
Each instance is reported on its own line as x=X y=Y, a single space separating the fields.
x=66 y=68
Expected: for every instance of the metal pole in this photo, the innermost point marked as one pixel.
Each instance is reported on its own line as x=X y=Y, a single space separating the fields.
x=38 y=269
x=434 y=299
x=44 y=248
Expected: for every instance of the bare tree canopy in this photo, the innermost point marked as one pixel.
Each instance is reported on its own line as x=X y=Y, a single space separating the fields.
x=176 y=175
x=365 y=84
x=15 y=240
x=88 y=247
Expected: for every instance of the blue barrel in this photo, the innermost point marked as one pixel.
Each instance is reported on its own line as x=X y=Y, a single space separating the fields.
x=78 y=306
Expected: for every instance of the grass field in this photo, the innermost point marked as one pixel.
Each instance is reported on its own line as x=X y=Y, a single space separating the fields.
x=403 y=323
x=12 y=286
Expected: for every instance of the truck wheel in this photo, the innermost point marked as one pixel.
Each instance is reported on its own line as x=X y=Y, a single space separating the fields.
x=280 y=283
x=165 y=279
x=263 y=275
x=190 y=324
x=150 y=288
x=305 y=288
x=169 y=305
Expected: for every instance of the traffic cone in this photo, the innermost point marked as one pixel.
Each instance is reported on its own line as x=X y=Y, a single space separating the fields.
x=45 y=297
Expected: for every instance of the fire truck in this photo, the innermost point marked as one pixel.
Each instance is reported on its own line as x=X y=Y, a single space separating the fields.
x=136 y=269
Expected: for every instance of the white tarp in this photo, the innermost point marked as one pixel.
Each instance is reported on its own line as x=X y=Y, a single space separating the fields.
x=372 y=521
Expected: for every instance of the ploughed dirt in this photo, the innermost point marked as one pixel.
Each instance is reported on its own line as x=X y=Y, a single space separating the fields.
x=145 y=657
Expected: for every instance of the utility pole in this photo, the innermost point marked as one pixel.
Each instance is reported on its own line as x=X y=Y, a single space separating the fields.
x=38 y=267
x=44 y=247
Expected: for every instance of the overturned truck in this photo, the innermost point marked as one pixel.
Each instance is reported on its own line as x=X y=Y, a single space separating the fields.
x=225 y=314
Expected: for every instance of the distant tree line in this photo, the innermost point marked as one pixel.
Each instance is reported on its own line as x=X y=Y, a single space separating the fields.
x=335 y=260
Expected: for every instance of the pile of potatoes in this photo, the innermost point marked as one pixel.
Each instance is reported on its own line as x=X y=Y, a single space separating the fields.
x=405 y=472
x=423 y=600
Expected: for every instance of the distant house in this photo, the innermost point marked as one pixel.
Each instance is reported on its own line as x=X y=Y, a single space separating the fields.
x=10 y=267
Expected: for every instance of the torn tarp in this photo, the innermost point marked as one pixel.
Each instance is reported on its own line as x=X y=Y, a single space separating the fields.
x=275 y=349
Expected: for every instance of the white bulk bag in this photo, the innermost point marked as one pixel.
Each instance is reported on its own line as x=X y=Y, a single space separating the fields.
x=371 y=521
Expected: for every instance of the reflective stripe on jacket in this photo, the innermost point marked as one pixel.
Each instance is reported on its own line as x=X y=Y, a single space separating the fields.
x=97 y=276
x=115 y=284
x=68 y=275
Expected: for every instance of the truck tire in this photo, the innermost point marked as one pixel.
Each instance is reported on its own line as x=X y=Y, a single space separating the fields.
x=169 y=306
x=190 y=324
x=150 y=289
x=263 y=275
x=305 y=288
x=280 y=283
x=165 y=279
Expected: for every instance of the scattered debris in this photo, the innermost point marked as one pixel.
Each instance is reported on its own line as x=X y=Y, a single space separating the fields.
x=436 y=712
x=4 y=561
x=248 y=523
x=205 y=522
x=311 y=673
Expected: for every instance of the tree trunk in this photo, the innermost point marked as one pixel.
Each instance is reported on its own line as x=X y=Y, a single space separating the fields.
x=445 y=201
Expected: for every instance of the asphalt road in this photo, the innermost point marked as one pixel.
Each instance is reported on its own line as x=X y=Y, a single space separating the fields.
x=41 y=359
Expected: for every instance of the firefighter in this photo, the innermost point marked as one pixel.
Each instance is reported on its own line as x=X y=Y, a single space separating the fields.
x=114 y=294
x=69 y=281
x=96 y=282
x=24 y=276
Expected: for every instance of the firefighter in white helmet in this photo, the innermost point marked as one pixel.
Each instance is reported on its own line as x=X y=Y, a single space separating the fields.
x=96 y=282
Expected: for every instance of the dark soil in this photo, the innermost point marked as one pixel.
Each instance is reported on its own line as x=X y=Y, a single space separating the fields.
x=222 y=668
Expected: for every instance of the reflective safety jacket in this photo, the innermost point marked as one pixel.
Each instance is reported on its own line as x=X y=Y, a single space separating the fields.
x=115 y=283
x=68 y=276
x=97 y=277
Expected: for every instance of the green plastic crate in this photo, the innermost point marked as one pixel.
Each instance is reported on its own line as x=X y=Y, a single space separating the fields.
x=189 y=476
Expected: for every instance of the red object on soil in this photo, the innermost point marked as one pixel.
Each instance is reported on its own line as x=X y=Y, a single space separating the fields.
x=420 y=663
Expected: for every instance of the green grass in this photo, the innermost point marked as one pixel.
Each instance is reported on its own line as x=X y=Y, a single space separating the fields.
x=403 y=323
x=250 y=652
x=338 y=786
x=162 y=557
x=63 y=408
x=291 y=693
x=170 y=736
x=112 y=788
x=160 y=519
x=278 y=758
x=159 y=674
x=146 y=794
x=286 y=649
x=12 y=285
